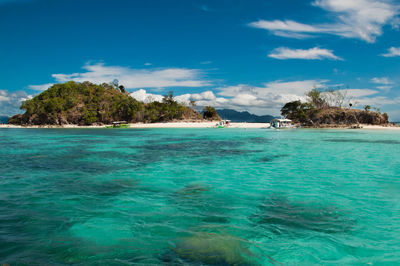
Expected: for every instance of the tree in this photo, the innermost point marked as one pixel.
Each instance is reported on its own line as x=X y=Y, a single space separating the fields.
x=210 y=113
x=192 y=103
x=335 y=97
x=169 y=98
x=315 y=98
x=115 y=83
x=122 y=88
x=367 y=108
x=290 y=108
x=296 y=110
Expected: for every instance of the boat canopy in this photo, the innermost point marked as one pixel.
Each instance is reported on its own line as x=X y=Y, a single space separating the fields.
x=281 y=120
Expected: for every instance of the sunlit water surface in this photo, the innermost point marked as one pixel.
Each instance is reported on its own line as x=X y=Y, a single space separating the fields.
x=199 y=197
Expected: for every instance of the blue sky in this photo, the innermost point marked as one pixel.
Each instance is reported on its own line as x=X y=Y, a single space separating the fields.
x=241 y=54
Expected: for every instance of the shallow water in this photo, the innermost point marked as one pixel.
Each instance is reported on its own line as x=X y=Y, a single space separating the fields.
x=199 y=197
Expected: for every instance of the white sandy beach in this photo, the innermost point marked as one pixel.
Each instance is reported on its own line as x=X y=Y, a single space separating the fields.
x=154 y=125
x=189 y=125
x=197 y=125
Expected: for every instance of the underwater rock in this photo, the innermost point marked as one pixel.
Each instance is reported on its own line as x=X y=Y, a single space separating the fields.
x=260 y=140
x=215 y=219
x=280 y=215
x=115 y=187
x=213 y=249
x=271 y=158
x=193 y=190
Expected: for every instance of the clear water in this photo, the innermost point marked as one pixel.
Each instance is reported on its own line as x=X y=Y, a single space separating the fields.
x=199 y=196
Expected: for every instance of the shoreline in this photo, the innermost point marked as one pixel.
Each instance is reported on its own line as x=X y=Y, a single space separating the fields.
x=200 y=125
x=151 y=125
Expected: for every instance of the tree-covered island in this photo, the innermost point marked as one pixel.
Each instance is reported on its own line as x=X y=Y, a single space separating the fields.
x=331 y=108
x=88 y=104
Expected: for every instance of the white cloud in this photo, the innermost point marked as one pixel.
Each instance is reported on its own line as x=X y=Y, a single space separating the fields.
x=284 y=26
x=382 y=80
x=384 y=83
x=40 y=87
x=361 y=19
x=143 y=96
x=356 y=93
x=378 y=101
x=392 y=52
x=137 y=78
x=204 y=96
x=4 y=96
x=270 y=97
x=394 y=115
x=384 y=88
x=11 y=101
x=309 y=54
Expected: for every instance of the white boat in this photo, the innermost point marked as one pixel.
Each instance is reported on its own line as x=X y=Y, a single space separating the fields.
x=223 y=123
x=281 y=123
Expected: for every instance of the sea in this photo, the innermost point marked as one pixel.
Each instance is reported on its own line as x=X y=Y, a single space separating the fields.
x=199 y=197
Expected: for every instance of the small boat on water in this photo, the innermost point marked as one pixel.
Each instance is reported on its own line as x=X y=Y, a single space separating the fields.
x=118 y=124
x=223 y=123
x=281 y=123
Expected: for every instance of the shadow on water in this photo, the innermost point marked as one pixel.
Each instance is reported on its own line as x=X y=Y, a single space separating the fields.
x=279 y=215
x=270 y=158
x=196 y=199
x=377 y=141
x=85 y=187
x=259 y=140
x=155 y=151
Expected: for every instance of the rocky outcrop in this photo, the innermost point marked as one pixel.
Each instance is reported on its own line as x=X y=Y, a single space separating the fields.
x=344 y=117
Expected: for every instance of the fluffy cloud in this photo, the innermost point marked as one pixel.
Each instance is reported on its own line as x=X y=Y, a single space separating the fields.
x=378 y=101
x=134 y=78
x=143 y=96
x=310 y=54
x=361 y=19
x=382 y=80
x=40 y=87
x=273 y=95
x=392 y=52
x=287 y=28
x=261 y=100
x=357 y=93
x=11 y=101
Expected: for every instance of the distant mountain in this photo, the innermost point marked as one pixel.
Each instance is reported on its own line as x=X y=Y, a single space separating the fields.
x=245 y=116
x=3 y=119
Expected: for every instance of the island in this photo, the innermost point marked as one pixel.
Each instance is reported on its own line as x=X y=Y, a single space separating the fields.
x=332 y=109
x=86 y=104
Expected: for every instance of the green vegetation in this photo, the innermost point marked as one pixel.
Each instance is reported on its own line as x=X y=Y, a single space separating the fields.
x=87 y=103
x=169 y=110
x=210 y=113
x=328 y=108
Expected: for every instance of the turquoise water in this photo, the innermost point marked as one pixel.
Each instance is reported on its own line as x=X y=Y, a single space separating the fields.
x=199 y=197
